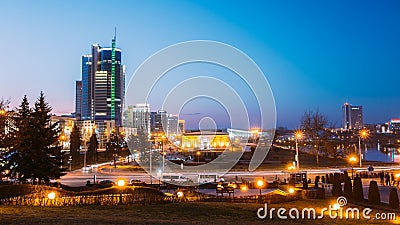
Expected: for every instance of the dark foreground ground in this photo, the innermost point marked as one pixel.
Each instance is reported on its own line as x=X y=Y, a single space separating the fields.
x=173 y=213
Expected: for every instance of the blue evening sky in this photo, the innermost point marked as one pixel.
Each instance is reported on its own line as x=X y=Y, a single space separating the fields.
x=315 y=54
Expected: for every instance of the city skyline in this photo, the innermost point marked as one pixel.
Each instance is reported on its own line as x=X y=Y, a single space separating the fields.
x=315 y=56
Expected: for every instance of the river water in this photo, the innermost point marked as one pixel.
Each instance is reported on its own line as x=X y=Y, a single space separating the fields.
x=382 y=154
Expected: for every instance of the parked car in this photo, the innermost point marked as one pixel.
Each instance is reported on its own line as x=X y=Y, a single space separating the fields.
x=107 y=183
x=137 y=183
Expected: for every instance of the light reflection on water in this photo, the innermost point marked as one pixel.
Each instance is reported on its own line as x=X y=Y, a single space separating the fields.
x=382 y=155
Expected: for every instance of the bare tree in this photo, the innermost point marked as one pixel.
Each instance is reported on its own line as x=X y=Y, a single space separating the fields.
x=314 y=124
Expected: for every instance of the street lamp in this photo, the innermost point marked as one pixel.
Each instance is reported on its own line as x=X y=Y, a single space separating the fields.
x=198 y=157
x=260 y=184
x=120 y=182
x=298 y=135
x=163 y=153
x=51 y=195
x=352 y=160
x=363 y=134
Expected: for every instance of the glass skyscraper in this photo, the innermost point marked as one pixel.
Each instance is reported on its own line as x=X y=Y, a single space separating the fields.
x=103 y=84
x=352 y=117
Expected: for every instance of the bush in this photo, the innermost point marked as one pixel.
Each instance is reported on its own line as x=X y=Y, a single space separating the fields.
x=358 y=193
x=330 y=178
x=348 y=192
x=373 y=193
x=337 y=186
x=346 y=175
x=316 y=182
x=393 y=199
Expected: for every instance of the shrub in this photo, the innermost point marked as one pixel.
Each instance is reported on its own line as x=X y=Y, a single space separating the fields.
x=316 y=182
x=393 y=199
x=358 y=193
x=346 y=174
x=348 y=192
x=337 y=186
x=330 y=178
x=373 y=193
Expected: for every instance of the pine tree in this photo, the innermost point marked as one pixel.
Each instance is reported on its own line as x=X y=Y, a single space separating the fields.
x=75 y=145
x=33 y=150
x=18 y=143
x=92 y=148
x=47 y=157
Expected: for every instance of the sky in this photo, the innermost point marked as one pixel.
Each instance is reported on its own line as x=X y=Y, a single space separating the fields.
x=316 y=55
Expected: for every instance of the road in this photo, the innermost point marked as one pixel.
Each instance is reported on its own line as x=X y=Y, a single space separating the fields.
x=106 y=172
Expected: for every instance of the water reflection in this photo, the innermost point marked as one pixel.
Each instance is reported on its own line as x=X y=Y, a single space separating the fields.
x=382 y=154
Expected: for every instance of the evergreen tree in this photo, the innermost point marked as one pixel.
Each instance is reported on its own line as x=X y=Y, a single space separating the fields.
x=373 y=193
x=358 y=193
x=75 y=145
x=18 y=143
x=393 y=198
x=92 y=148
x=139 y=143
x=33 y=150
x=46 y=155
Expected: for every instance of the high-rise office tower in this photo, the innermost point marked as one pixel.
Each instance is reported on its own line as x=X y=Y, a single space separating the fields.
x=140 y=117
x=159 y=122
x=172 y=125
x=78 y=99
x=352 y=117
x=103 y=84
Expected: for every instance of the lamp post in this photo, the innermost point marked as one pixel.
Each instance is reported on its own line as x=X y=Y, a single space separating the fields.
x=163 y=154
x=260 y=184
x=363 y=134
x=151 y=139
x=352 y=160
x=298 y=135
x=198 y=157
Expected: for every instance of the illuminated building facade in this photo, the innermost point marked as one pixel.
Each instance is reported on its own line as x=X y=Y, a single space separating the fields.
x=352 y=117
x=205 y=140
x=100 y=94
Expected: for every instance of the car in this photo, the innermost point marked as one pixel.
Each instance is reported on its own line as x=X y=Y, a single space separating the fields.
x=106 y=183
x=87 y=168
x=137 y=183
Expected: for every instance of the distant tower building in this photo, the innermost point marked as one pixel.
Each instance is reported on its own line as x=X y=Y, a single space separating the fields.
x=103 y=84
x=172 y=125
x=352 y=117
x=395 y=125
x=153 y=121
x=141 y=117
x=159 y=122
x=78 y=99
x=181 y=125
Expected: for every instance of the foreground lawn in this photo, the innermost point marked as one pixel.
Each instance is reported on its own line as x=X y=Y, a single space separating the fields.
x=173 y=213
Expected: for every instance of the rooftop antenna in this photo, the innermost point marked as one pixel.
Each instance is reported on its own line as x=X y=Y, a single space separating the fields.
x=115 y=33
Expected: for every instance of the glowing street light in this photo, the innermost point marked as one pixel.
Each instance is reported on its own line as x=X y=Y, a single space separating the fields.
x=291 y=190
x=179 y=194
x=352 y=160
x=243 y=188
x=51 y=195
x=298 y=135
x=260 y=184
x=198 y=157
x=120 y=183
x=363 y=134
